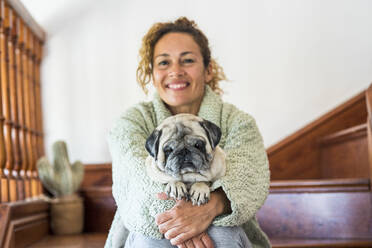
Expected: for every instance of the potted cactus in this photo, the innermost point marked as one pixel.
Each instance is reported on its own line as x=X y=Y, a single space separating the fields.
x=62 y=180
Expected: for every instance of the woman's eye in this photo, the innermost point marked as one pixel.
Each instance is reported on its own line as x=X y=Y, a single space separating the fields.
x=163 y=63
x=188 y=61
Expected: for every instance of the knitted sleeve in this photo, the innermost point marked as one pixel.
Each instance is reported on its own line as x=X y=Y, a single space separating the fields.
x=247 y=178
x=134 y=192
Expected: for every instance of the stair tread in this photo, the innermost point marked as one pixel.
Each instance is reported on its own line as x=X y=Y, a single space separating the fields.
x=320 y=185
x=303 y=243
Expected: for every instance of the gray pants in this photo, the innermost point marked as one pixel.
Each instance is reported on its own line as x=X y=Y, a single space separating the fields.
x=223 y=237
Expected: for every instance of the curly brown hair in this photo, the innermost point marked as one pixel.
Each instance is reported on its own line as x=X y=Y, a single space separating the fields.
x=181 y=25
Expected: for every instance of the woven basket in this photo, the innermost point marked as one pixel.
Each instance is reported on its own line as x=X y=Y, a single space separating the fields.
x=67 y=215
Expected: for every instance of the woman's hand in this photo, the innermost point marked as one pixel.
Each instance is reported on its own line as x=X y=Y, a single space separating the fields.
x=185 y=221
x=199 y=241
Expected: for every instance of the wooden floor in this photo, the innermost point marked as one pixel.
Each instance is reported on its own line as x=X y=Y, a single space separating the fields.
x=87 y=240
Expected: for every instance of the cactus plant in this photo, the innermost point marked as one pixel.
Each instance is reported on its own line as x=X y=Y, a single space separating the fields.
x=60 y=178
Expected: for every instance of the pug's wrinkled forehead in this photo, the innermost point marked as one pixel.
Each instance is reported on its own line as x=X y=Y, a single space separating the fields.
x=178 y=126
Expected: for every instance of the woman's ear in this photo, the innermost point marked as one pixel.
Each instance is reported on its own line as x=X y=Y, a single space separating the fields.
x=208 y=73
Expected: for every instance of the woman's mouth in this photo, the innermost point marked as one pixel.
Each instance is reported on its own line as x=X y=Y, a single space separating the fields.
x=178 y=86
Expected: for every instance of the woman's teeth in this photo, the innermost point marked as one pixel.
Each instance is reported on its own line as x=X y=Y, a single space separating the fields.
x=177 y=86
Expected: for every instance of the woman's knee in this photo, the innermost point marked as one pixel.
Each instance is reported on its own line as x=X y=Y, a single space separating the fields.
x=135 y=240
x=229 y=237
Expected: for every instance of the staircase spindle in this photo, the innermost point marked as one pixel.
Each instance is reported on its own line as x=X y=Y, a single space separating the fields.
x=38 y=118
x=31 y=70
x=4 y=33
x=13 y=107
x=4 y=189
x=21 y=109
x=27 y=108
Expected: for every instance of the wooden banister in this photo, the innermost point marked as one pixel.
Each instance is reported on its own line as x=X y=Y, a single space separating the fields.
x=23 y=13
x=21 y=136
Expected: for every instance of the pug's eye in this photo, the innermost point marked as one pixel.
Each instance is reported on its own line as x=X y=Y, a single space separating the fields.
x=199 y=145
x=167 y=150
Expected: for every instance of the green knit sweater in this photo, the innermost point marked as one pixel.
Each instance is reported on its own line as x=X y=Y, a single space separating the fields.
x=246 y=182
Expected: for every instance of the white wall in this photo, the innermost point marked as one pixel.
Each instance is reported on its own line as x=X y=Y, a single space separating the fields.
x=289 y=61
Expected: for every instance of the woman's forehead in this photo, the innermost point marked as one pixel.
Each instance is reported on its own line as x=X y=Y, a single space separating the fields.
x=179 y=44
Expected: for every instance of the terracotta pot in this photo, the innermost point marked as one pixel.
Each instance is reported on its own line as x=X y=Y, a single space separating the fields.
x=67 y=215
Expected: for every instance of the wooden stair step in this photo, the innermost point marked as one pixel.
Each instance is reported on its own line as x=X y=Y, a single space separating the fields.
x=318 y=209
x=320 y=185
x=313 y=243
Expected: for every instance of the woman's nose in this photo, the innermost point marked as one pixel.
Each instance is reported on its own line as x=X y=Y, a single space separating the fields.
x=176 y=71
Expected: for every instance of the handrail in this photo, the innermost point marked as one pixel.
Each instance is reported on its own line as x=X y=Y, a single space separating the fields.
x=18 y=7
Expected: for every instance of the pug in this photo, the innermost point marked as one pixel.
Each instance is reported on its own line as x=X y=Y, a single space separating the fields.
x=184 y=154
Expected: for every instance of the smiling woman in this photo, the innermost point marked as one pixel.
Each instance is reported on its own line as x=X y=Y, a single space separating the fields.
x=176 y=58
x=179 y=74
x=180 y=26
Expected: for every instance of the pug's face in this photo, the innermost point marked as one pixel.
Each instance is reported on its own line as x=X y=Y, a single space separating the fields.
x=183 y=143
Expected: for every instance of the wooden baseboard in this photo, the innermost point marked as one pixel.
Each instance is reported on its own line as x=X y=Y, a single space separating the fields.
x=23 y=223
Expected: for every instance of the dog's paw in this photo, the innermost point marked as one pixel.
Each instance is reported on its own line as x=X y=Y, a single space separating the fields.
x=199 y=193
x=177 y=190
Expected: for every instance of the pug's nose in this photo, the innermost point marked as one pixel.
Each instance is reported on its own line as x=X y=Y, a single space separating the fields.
x=183 y=152
x=187 y=159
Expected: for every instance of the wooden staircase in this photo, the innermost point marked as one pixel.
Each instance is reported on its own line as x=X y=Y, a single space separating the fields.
x=320 y=193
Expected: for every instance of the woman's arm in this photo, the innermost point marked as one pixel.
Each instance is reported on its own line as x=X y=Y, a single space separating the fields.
x=247 y=180
x=133 y=191
x=237 y=196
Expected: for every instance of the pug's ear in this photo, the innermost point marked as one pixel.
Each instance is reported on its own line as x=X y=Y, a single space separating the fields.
x=152 y=143
x=213 y=132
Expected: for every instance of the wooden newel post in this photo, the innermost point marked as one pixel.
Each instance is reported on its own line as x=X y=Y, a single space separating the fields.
x=369 y=128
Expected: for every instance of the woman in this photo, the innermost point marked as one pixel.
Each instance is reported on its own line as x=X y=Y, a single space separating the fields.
x=175 y=57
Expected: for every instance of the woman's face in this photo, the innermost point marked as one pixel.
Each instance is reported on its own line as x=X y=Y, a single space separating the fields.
x=178 y=73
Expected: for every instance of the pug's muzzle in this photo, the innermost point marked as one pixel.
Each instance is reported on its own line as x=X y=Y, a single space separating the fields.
x=184 y=154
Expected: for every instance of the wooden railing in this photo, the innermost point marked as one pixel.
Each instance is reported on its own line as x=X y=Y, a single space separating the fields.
x=21 y=135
